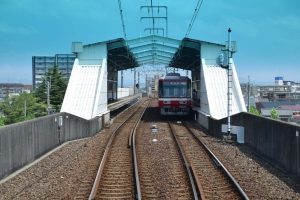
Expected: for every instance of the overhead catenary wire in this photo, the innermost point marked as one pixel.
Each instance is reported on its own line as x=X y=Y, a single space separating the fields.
x=153 y=7
x=122 y=19
x=153 y=21
x=196 y=11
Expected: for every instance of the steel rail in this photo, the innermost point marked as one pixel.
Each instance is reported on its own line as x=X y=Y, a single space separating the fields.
x=128 y=108
x=186 y=164
x=200 y=188
x=138 y=194
x=104 y=158
x=220 y=165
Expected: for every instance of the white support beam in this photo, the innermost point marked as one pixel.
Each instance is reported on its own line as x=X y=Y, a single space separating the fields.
x=154 y=63
x=154 y=57
x=154 y=52
x=153 y=46
x=154 y=38
x=154 y=60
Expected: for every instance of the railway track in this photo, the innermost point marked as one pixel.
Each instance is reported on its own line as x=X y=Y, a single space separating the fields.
x=93 y=164
x=212 y=178
x=161 y=167
x=130 y=170
x=115 y=178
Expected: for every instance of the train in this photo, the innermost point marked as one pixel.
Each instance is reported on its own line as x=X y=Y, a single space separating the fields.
x=174 y=94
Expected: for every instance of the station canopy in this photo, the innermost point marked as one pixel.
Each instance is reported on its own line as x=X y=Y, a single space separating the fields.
x=119 y=55
x=154 y=50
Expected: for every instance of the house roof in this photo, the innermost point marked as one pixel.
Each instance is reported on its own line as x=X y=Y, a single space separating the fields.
x=290 y=107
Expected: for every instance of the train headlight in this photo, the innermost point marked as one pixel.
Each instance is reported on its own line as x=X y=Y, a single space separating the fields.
x=166 y=102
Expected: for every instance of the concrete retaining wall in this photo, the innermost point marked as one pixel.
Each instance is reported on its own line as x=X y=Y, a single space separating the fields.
x=272 y=139
x=22 y=143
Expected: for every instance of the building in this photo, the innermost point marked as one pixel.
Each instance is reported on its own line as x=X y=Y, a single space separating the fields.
x=40 y=65
x=283 y=114
x=279 y=80
x=282 y=90
x=288 y=110
x=154 y=86
x=13 y=89
x=295 y=109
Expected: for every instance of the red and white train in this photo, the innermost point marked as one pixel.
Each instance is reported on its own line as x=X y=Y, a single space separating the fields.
x=174 y=94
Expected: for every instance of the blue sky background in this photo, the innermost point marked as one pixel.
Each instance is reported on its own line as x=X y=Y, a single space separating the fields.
x=267 y=32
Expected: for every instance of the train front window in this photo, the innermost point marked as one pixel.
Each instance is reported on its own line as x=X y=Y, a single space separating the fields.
x=174 y=89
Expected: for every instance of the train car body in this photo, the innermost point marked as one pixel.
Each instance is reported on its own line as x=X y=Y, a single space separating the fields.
x=174 y=92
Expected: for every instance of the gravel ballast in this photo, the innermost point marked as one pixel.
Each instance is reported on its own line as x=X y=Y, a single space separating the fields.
x=59 y=175
x=63 y=173
x=259 y=179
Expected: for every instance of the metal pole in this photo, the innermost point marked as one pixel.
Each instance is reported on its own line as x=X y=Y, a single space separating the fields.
x=138 y=81
x=48 y=97
x=297 y=154
x=25 y=108
x=167 y=21
x=147 y=85
x=248 y=94
x=122 y=78
x=229 y=83
x=134 y=82
x=152 y=17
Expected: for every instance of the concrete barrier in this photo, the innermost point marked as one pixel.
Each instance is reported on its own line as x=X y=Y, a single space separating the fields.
x=22 y=143
x=275 y=140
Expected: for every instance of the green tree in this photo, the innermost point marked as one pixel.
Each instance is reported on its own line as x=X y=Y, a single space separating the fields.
x=58 y=86
x=253 y=110
x=22 y=107
x=2 y=121
x=274 y=114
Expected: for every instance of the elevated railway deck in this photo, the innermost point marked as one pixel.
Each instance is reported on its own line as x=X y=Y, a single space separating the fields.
x=145 y=157
x=112 y=106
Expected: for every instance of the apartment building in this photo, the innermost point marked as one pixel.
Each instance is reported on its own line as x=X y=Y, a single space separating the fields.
x=40 y=65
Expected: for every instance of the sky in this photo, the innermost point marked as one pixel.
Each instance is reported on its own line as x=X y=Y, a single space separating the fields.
x=267 y=32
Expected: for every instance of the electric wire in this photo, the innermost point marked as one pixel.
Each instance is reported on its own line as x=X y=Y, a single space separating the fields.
x=153 y=21
x=122 y=19
x=198 y=6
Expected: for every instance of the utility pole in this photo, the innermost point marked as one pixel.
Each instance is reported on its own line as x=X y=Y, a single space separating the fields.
x=25 y=108
x=48 y=97
x=134 y=82
x=147 y=85
x=248 y=95
x=138 y=81
x=122 y=79
x=48 y=84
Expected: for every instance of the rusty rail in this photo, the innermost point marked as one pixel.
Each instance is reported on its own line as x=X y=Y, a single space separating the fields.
x=188 y=169
x=138 y=193
x=104 y=159
x=239 y=189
